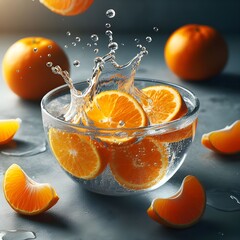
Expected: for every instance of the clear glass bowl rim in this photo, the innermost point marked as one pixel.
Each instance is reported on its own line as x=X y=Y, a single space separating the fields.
x=164 y=127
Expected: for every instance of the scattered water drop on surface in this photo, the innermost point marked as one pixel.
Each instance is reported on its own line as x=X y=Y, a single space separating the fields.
x=121 y=123
x=108 y=33
x=94 y=37
x=107 y=25
x=110 y=13
x=78 y=39
x=49 y=64
x=148 y=39
x=35 y=49
x=113 y=46
x=68 y=33
x=76 y=63
x=155 y=29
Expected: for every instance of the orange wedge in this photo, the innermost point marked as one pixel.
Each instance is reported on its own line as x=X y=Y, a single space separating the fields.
x=183 y=209
x=166 y=104
x=8 y=128
x=77 y=154
x=67 y=7
x=116 y=109
x=225 y=140
x=140 y=165
x=26 y=196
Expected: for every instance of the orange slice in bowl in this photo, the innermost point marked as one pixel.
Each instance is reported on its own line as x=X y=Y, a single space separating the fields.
x=77 y=154
x=116 y=109
x=166 y=104
x=26 y=196
x=140 y=165
x=67 y=7
x=8 y=128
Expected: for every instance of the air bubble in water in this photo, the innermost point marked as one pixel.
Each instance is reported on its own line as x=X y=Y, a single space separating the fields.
x=78 y=39
x=113 y=46
x=68 y=33
x=35 y=49
x=108 y=33
x=49 y=64
x=96 y=50
x=107 y=25
x=155 y=29
x=148 y=39
x=94 y=37
x=76 y=63
x=110 y=13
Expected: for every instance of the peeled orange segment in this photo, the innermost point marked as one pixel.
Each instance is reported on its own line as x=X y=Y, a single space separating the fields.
x=8 y=128
x=26 y=196
x=182 y=210
x=226 y=140
x=116 y=109
x=67 y=7
x=76 y=154
x=140 y=165
x=166 y=104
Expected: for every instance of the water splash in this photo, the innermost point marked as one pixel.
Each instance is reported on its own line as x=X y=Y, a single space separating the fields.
x=16 y=234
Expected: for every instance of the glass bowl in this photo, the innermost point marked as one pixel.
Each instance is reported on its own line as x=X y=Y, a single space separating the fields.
x=145 y=162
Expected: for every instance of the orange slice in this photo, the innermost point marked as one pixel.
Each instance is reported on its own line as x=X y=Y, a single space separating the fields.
x=226 y=140
x=26 y=196
x=67 y=7
x=140 y=165
x=166 y=104
x=116 y=109
x=77 y=154
x=182 y=210
x=8 y=128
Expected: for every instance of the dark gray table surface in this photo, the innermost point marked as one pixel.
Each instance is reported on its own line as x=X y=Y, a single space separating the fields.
x=80 y=214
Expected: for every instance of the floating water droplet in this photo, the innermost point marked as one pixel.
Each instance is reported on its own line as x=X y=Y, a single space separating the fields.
x=76 y=63
x=139 y=46
x=49 y=55
x=96 y=50
x=108 y=33
x=107 y=25
x=136 y=40
x=155 y=29
x=113 y=46
x=50 y=46
x=74 y=44
x=68 y=33
x=121 y=123
x=35 y=49
x=40 y=56
x=94 y=37
x=49 y=64
x=89 y=44
x=66 y=46
x=78 y=39
x=95 y=44
x=110 y=13
x=148 y=39
x=122 y=44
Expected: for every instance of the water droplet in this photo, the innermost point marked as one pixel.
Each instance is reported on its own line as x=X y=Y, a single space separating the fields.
x=30 y=67
x=35 y=50
x=40 y=56
x=122 y=44
x=108 y=33
x=139 y=46
x=50 y=46
x=78 y=39
x=113 y=46
x=74 y=44
x=136 y=40
x=148 y=39
x=107 y=25
x=89 y=44
x=49 y=64
x=96 y=50
x=155 y=29
x=110 y=13
x=76 y=63
x=94 y=37
x=49 y=55
x=68 y=33
x=95 y=44
x=17 y=70
x=66 y=46
x=121 y=123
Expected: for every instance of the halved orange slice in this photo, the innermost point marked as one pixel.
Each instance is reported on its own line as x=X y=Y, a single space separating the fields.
x=139 y=165
x=8 y=128
x=166 y=104
x=67 y=7
x=77 y=154
x=26 y=196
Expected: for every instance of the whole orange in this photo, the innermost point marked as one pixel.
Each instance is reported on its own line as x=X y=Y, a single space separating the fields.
x=196 y=52
x=25 y=67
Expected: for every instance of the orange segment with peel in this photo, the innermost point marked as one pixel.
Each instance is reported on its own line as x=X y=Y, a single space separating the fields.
x=139 y=165
x=225 y=140
x=166 y=104
x=8 y=128
x=77 y=154
x=183 y=209
x=26 y=196
x=67 y=7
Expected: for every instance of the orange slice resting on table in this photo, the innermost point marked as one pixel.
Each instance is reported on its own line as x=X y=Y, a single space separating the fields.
x=77 y=154
x=139 y=165
x=182 y=210
x=166 y=104
x=116 y=109
x=226 y=140
x=8 y=128
x=67 y=7
x=26 y=196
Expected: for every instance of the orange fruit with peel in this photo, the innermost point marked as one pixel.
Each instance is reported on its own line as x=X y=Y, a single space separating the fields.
x=24 y=67
x=183 y=209
x=67 y=7
x=139 y=165
x=166 y=104
x=196 y=52
x=77 y=154
x=116 y=109
x=26 y=196
x=225 y=140
x=8 y=128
